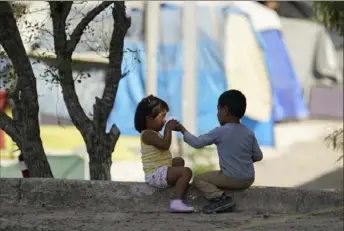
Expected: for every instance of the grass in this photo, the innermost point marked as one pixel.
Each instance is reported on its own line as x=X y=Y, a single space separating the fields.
x=66 y=140
x=202 y=160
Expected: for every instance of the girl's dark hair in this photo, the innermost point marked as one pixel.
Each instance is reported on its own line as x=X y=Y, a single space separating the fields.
x=149 y=106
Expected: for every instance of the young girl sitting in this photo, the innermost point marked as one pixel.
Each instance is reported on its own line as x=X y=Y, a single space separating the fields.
x=161 y=170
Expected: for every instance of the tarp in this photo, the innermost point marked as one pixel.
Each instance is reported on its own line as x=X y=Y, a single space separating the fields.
x=241 y=69
x=287 y=95
x=287 y=92
x=212 y=79
x=313 y=55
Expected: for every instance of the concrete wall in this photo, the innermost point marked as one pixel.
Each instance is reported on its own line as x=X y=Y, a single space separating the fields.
x=139 y=197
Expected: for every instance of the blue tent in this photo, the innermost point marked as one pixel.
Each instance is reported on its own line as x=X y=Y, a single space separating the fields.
x=287 y=93
x=212 y=80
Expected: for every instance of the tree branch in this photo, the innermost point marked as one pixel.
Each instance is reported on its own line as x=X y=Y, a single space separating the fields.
x=59 y=12
x=26 y=82
x=79 y=29
x=60 y=8
x=121 y=25
x=27 y=136
x=9 y=126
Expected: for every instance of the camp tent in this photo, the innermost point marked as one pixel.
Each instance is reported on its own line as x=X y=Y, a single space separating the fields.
x=215 y=75
x=317 y=57
x=313 y=55
x=216 y=59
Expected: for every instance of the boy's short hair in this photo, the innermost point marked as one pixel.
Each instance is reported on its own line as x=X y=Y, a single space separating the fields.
x=235 y=101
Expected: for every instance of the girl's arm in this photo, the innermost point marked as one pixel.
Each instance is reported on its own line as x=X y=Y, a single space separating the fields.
x=153 y=138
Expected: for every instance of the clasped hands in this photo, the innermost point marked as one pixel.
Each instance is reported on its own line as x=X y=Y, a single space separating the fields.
x=174 y=125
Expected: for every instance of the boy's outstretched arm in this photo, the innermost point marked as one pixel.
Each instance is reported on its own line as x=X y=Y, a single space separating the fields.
x=200 y=141
x=257 y=154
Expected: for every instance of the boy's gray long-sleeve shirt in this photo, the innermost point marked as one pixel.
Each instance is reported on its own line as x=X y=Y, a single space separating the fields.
x=237 y=148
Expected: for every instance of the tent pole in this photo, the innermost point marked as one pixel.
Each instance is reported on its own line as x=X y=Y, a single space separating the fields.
x=152 y=15
x=189 y=78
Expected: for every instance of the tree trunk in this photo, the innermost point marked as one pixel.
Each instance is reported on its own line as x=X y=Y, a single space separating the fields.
x=25 y=96
x=100 y=156
x=35 y=159
x=101 y=145
x=31 y=144
x=100 y=169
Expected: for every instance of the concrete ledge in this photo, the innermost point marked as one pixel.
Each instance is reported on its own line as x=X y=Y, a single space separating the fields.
x=139 y=197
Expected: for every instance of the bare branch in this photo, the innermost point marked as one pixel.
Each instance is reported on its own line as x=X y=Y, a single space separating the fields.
x=335 y=140
x=28 y=137
x=9 y=126
x=79 y=29
x=60 y=8
x=59 y=13
x=19 y=9
x=121 y=25
x=11 y=42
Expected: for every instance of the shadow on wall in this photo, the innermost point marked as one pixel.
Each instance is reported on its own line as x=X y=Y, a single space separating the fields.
x=331 y=180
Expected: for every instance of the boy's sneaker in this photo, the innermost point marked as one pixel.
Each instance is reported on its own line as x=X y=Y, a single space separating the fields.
x=220 y=205
x=179 y=206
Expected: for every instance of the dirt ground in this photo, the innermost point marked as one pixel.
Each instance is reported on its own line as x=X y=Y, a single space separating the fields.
x=36 y=219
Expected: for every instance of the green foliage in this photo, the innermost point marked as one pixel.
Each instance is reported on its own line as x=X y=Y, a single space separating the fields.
x=202 y=160
x=331 y=14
